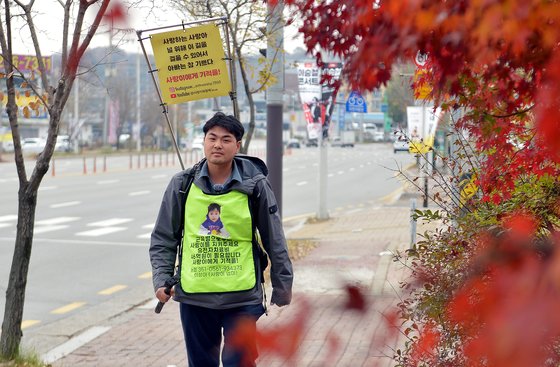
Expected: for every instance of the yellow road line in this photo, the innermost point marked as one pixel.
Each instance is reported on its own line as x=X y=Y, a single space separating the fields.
x=113 y=289
x=146 y=275
x=28 y=323
x=68 y=308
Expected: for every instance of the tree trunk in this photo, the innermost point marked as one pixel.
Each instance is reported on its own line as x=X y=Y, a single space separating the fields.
x=15 y=294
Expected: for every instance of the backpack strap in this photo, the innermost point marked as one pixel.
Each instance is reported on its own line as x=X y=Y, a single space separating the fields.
x=188 y=179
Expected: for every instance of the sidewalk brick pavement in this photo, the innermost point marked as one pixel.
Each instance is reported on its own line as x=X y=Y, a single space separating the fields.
x=352 y=248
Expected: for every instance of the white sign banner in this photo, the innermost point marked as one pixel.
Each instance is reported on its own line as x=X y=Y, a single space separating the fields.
x=422 y=121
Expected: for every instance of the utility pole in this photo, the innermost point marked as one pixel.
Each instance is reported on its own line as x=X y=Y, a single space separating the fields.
x=138 y=113
x=274 y=99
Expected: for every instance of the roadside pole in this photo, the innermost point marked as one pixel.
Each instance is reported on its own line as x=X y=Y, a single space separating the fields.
x=274 y=99
x=322 y=212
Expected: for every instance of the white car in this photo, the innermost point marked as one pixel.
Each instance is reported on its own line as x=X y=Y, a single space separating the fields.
x=198 y=143
x=400 y=145
x=33 y=145
x=7 y=146
x=62 y=143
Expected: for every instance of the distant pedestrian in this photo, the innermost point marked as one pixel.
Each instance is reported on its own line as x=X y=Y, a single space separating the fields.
x=220 y=278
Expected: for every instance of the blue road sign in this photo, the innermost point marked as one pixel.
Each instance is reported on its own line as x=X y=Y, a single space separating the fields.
x=356 y=103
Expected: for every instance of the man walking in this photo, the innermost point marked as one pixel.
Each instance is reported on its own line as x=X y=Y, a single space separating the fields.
x=220 y=276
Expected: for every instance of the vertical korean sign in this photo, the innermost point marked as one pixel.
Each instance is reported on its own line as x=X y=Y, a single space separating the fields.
x=318 y=100
x=309 y=81
x=191 y=64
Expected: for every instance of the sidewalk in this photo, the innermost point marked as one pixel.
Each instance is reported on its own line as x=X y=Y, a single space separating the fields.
x=351 y=248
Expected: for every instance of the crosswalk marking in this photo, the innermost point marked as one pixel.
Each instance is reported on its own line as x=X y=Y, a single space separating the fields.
x=56 y=220
x=6 y=218
x=68 y=308
x=46 y=229
x=68 y=203
x=138 y=193
x=110 y=222
x=148 y=234
x=100 y=231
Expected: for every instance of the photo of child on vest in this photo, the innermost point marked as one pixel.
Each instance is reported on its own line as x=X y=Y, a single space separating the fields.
x=213 y=224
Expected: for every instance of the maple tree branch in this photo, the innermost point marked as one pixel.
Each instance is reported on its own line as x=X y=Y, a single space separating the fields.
x=511 y=114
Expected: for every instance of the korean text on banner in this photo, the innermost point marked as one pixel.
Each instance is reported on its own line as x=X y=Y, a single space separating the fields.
x=191 y=64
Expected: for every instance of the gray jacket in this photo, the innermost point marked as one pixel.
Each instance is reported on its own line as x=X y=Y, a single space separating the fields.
x=166 y=237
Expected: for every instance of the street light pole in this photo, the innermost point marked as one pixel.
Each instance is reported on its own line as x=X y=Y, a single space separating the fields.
x=274 y=99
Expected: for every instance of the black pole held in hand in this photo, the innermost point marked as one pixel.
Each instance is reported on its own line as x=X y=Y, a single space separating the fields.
x=169 y=283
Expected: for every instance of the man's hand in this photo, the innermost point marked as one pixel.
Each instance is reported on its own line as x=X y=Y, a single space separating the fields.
x=162 y=296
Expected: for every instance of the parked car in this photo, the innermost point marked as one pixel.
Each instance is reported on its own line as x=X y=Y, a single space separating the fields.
x=293 y=143
x=312 y=143
x=379 y=136
x=33 y=145
x=63 y=144
x=400 y=145
x=198 y=143
x=7 y=146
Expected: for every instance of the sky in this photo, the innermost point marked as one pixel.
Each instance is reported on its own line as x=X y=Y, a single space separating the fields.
x=49 y=20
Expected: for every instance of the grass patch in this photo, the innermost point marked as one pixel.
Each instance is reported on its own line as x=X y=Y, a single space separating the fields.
x=24 y=360
x=298 y=248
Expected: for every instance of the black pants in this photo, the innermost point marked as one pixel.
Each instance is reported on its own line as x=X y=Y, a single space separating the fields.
x=202 y=328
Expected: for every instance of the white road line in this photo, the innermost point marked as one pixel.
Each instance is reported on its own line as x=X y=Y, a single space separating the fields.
x=6 y=218
x=107 y=182
x=74 y=343
x=159 y=176
x=100 y=231
x=330 y=175
x=83 y=242
x=138 y=193
x=301 y=183
x=68 y=203
x=57 y=220
x=46 y=188
x=49 y=229
x=145 y=236
x=110 y=222
x=4 y=225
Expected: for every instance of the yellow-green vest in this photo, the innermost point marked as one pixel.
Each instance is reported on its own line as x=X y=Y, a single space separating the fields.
x=217 y=256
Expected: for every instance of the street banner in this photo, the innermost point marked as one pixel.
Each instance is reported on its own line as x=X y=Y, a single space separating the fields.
x=29 y=105
x=318 y=99
x=191 y=64
x=422 y=124
x=27 y=64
